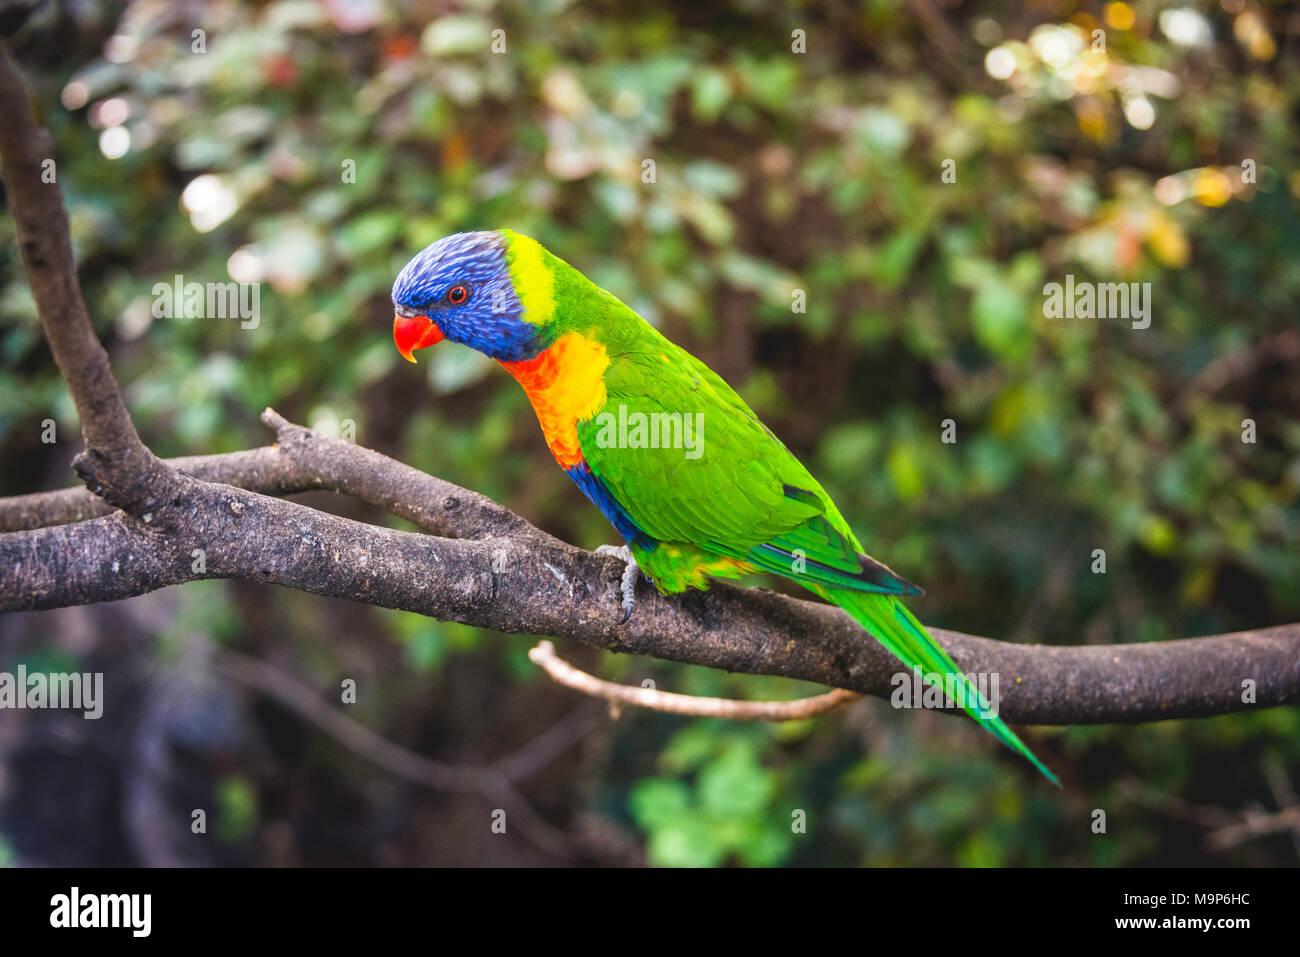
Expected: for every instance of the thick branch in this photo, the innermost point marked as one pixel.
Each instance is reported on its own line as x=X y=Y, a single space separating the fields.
x=115 y=458
x=537 y=585
x=301 y=461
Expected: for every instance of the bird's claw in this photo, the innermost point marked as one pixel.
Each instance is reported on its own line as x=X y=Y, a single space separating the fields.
x=627 y=585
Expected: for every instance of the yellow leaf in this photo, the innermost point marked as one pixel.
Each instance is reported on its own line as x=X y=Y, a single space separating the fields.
x=1120 y=16
x=1168 y=242
x=1211 y=187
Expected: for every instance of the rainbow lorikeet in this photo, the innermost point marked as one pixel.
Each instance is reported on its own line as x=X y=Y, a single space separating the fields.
x=695 y=484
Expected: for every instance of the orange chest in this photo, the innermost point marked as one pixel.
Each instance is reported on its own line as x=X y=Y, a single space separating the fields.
x=566 y=385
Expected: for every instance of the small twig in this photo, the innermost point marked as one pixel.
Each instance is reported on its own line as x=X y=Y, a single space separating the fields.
x=403 y=762
x=654 y=700
x=1281 y=347
x=1173 y=806
x=494 y=781
x=1283 y=793
x=356 y=737
x=1224 y=829
x=1252 y=825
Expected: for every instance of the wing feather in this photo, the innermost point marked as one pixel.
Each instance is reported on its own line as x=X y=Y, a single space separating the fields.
x=742 y=494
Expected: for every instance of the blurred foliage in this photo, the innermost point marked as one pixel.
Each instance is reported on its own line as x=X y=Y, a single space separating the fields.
x=775 y=171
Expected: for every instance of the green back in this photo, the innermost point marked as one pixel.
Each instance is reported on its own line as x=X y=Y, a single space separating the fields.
x=745 y=496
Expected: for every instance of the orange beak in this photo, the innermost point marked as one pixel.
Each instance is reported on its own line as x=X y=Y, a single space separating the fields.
x=414 y=332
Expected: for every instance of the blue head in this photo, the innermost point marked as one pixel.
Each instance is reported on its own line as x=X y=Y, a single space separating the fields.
x=460 y=288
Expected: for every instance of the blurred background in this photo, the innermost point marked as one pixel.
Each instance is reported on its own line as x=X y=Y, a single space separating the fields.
x=225 y=154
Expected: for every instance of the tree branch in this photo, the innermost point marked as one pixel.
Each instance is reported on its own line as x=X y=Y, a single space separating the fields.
x=494 y=781
x=300 y=461
x=667 y=702
x=115 y=461
x=528 y=583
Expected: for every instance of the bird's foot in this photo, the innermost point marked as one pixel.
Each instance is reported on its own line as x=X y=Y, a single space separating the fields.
x=627 y=586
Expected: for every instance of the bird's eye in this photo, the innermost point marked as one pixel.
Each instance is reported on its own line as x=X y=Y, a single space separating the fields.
x=457 y=295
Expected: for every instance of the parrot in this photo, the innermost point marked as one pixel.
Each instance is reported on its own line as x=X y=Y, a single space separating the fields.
x=696 y=486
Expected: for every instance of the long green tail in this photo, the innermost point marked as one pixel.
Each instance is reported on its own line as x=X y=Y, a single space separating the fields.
x=897 y=629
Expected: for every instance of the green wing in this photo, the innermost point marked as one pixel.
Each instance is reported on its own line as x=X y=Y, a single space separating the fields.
x=745 y=496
